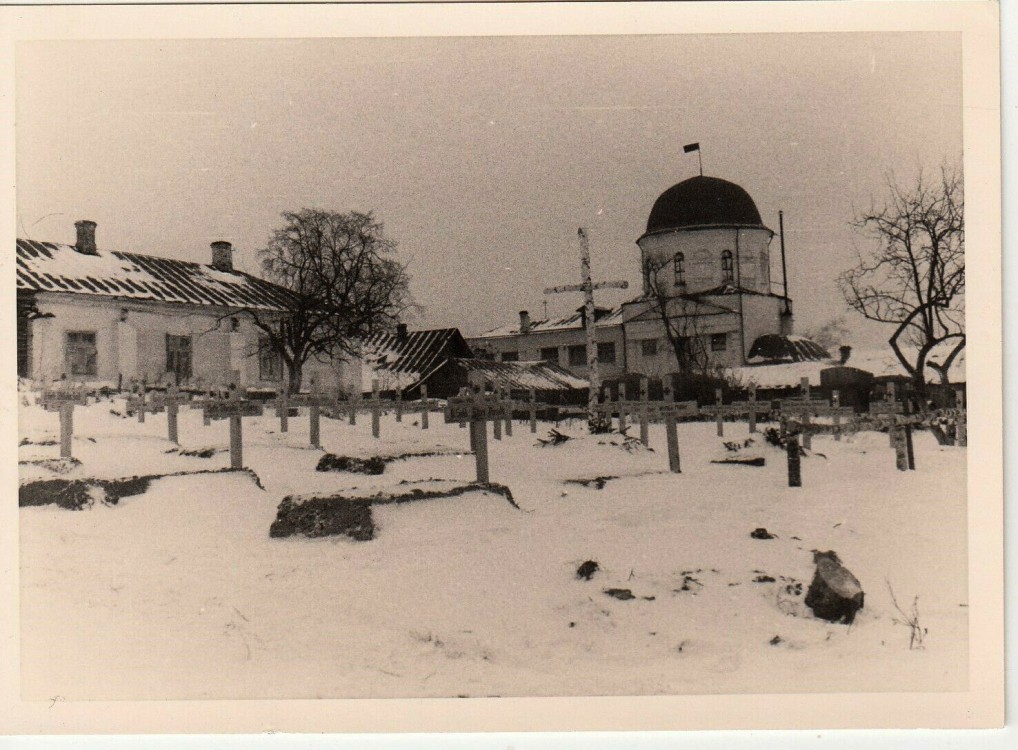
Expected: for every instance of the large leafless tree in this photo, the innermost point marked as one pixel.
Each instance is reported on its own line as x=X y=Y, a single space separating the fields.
x=345 y=285
x=681 y=316
x=913 y=277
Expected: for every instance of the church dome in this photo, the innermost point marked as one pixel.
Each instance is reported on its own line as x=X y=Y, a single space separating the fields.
x=703 y=201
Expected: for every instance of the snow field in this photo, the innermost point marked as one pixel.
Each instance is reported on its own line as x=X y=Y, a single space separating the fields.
x=180 y=592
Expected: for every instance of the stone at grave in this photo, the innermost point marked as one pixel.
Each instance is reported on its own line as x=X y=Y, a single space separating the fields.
x=835 y=594
x=740 y=460
x=761 y=533
x=587 y=570
x=623 y=594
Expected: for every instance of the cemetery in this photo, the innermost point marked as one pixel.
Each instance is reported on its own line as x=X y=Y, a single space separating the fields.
x=376 y=546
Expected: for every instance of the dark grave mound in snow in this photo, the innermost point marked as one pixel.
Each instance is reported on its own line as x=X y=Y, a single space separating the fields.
x=331 y=515
x=587 y=570
x=597 y=483
x=78 y=494
x=60 y=465
x=737 y=460
x=372 y=464
x=835 y=594
x=761 y=533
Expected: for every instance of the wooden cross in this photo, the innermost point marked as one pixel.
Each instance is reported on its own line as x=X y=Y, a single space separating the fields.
x=314 y=402
x=234 y=408
x=376 y=411
x=961 y=425
x=64 y=401
x=425 y=405
x=750 y=409
x=282 y=406
x=172 y=400
x=587 y=287
x=141 y=404
x=478 y=408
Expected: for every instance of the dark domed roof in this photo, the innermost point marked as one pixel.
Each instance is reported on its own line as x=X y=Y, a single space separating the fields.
x=703 y=201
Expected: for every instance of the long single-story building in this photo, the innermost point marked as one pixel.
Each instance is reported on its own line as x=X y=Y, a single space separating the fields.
x=107 y=318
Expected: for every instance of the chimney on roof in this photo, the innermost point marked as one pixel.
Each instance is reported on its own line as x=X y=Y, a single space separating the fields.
x=524 y=321
x=85 y=243
x=845 y=352
x=222 y=256
x=401 y=331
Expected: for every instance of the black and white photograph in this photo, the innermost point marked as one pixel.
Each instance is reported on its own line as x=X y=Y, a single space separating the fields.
x=474 y=366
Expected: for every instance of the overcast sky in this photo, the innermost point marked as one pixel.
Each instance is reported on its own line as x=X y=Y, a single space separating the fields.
x=481 y=155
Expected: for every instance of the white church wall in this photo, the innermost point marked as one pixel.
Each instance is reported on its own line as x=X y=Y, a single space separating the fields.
x=702 y=251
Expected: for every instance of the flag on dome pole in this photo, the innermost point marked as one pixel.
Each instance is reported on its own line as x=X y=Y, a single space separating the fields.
x=690 y=148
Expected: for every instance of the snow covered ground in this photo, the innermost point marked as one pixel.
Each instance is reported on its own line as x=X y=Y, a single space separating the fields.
x=180 y=593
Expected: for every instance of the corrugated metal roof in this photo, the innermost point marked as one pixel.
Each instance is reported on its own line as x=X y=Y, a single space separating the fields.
x=539 y=375
x=402 y=361
x=51 y=267
x=574 y=321
x=775 y=348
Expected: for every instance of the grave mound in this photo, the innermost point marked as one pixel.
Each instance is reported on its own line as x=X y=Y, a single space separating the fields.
x=336 y=515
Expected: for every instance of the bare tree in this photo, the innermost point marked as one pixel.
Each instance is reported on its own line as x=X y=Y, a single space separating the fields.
x=344 y=286
x=681 y=317
x=914 y=276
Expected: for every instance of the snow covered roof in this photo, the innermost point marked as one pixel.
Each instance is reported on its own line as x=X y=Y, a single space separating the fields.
x=775 y=349
x=539 y=375
x=401 y=361
x=575 y=321
x=52 y=267
x=881 y=362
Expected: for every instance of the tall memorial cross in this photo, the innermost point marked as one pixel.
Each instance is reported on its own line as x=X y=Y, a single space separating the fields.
x=64 y=401
x=587 y=287
x=233 y=408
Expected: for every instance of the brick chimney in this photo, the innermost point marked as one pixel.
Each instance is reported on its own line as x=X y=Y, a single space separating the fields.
x=222 y=256
x=845 y=352
x=524 y=321
x=85 y=243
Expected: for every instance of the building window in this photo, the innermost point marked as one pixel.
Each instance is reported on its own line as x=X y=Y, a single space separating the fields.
x=550 y=354
x=510 y=356
x=727 y=267
x=178 y=357
x=679 y=263
x=718 y=342
x=270 y=364
x=577 y=356
x=606 y=352
x=765 y=270
x=648 y=347
x=81 y=352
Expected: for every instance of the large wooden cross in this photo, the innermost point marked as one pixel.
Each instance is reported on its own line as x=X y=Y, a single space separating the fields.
x=587 y=286
x=478 y=408
x=233 y=408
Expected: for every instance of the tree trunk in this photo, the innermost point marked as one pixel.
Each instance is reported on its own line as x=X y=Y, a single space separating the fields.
x=295 y=373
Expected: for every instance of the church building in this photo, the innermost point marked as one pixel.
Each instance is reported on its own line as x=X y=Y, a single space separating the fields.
x=708 y=289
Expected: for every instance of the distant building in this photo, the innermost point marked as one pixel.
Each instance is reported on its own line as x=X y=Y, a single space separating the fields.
x=106 y=318
x=405 y=360
x=706 y=259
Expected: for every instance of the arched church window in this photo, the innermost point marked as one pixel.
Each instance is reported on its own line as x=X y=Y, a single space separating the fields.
x=679 y=262
x=765 y=269
x=727 y=267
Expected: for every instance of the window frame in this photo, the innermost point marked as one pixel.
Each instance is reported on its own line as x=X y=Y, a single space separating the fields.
x=679 y=268
x=510 y=356
x=604 y=346
x=265 y=354
x=727 y=267
x=173 y=353
x=650 y=344
x=92 y=365
x=544 y=354
x=574 y=360
x=715 y=338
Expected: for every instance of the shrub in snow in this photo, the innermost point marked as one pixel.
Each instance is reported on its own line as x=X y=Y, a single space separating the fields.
x=835 y=594
x=587 y=570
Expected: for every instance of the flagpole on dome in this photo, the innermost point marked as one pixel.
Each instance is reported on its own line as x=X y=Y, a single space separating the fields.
x=689 y=148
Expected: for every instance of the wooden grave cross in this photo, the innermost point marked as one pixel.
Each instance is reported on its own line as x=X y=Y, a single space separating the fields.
x=141 y=403
x=751 y=409
x=961 y=437
x=426 y=405
x=172 y=400
x=234 y=408
x=64 y=401
x=314 y=401
x=587 y=287
x=478 y=408
x=282 y=406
